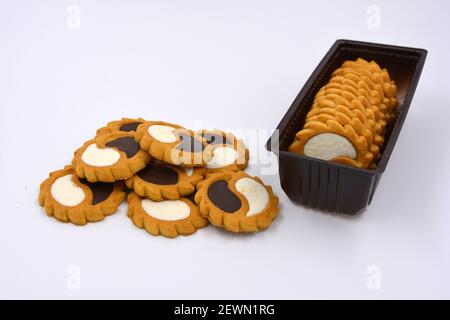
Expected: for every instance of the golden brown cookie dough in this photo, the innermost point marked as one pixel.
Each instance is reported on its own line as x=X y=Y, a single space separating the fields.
x=237 y=202
x=70 y=199
x=228 y=153
x=123 y=125
x=110 y=157
x=169 y=218
x=160 y=180
x=173 y=144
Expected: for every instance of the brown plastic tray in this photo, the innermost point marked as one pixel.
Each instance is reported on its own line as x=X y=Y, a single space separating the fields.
x=330 y=186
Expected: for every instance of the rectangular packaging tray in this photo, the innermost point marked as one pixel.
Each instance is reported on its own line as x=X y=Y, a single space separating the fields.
x=330 y=186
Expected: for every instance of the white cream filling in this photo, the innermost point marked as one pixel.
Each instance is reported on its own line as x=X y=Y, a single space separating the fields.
x=162 y=133
x=168 y=210
x=66 y=192
x=97 y=157
x=327 y=146
x=255 y=193
x=222 y=156
x=189 y=171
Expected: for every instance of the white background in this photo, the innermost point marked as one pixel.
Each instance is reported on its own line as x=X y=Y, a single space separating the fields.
x=227 y=64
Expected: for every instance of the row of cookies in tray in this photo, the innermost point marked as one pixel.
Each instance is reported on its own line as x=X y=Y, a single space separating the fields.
x=181 y=180
x=349 y=115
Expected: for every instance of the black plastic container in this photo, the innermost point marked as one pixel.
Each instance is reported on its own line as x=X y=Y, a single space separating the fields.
x=330 y=186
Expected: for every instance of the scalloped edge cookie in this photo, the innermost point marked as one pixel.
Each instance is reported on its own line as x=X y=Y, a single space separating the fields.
x=114 y=126
x=169 y=229
x=166 y=151
x=84 y=212
x=237 y=221
x=344 y=117
x=122 y=169
x=231 y=141
x=364 y=156
x=357 y=102
x=185 y=186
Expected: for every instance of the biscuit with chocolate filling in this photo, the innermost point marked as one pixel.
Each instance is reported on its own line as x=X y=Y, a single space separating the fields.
x=69 y=199
x=123 y=125
x=173 y=144
x=237 y=202
x=160 y=180
x=228 y=153
x=110 y=157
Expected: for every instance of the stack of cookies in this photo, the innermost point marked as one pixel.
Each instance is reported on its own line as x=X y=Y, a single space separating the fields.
x=349 y=115
x=179 y=180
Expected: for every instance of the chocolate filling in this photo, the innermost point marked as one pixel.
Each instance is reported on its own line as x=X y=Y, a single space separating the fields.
x=125 y=144
x=215 y=138
x=100 y=190
x=132 y=126
x=157 y=173
x=190 y=144
x=222 y=197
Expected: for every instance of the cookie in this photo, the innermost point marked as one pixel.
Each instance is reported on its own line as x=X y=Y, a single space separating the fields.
x=70 y=199
x=228 y=152
x=110 y=157
x=159 y=181
x=349 y=115
x=213 y=137
x=123 y=125
x=237 y=202
x=325 y=106
x=173 y=144
x=325 y=110
x=365 y=94
x=379 y=81
x=344 y=120
x=390 y=88
x=168 y=218
x=333 y=142
x=372 y=100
